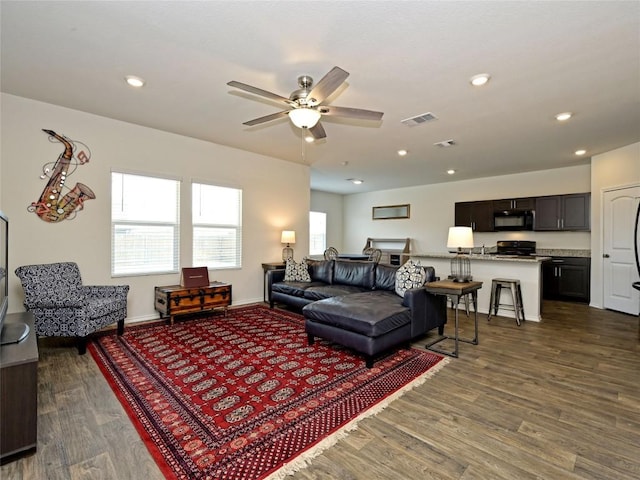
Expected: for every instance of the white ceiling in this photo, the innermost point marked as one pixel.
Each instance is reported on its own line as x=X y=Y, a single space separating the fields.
x=405 y=58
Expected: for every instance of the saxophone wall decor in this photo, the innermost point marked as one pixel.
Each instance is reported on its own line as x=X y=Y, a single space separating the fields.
x=59 y=202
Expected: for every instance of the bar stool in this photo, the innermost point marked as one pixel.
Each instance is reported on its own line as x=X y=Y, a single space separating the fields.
x=465 y=298
x=516 y=296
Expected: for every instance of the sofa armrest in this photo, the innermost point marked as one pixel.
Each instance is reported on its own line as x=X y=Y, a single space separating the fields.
x=273 y=276
x=106 y=290
x=119 y=292
x=428 y=311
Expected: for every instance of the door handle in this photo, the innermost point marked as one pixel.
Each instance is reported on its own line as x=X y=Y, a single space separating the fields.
x=606 y=255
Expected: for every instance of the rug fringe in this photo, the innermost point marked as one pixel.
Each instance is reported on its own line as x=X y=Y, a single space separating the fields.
x=303 y=460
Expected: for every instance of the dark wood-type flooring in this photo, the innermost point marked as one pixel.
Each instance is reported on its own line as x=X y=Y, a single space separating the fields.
x=555 y=400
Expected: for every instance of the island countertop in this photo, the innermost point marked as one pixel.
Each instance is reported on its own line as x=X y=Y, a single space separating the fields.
x=485 y=268
x=490 y=257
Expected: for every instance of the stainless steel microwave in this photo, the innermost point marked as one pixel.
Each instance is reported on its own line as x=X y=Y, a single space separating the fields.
x=513 y=220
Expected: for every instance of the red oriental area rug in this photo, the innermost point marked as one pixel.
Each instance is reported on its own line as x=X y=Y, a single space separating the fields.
x=244 y=397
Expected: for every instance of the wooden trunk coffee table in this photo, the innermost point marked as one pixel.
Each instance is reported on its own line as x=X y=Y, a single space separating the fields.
x=175 y=300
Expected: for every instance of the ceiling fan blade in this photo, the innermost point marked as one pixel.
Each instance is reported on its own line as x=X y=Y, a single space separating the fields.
x=317 y=131
x=327 y=85
x=266 y=118
x=350 y=112
x=259 y=91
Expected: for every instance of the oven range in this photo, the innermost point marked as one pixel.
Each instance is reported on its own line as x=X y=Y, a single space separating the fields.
x=515 y=248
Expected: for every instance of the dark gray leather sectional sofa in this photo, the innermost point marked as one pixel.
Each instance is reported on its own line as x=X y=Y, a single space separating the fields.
x=354 y=303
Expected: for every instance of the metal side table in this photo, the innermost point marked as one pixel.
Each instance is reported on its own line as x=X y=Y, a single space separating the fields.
x=455 y=290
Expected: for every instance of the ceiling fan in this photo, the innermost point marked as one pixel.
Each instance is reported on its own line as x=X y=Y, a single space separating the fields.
x=306 y=105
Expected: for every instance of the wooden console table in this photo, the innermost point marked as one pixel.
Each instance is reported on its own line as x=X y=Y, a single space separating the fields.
x=175 y=300
x=266 y=267
x=19 y=392
x=455 y=290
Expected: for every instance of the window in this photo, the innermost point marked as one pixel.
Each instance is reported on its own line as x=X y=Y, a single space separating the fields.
x=217 y=226
x=317 y=233
x=144 y=224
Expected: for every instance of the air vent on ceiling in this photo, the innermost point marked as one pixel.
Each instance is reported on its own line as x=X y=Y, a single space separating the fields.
x=419 y=119
x=445 y=143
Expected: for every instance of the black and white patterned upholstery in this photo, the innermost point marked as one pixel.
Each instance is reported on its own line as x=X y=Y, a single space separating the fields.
x=296 y=272
x=63 y=307
x=408 y=276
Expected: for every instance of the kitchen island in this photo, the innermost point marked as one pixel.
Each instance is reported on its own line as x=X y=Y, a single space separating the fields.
x=484 y=268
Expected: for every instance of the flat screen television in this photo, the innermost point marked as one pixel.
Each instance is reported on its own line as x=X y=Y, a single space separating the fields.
x=4 y=267
x=16 y=331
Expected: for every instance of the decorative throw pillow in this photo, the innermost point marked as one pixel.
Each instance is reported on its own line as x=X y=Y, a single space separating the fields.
x=410 y=275
x=296 y=272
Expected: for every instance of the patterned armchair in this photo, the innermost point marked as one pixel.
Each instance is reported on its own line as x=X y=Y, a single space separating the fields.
x=63 y=307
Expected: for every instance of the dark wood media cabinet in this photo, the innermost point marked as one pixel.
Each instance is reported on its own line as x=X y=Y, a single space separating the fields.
x=19 y=392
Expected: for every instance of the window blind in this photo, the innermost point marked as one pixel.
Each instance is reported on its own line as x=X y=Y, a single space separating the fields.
x=144 y=224
x=217 y=226
x=317 y=233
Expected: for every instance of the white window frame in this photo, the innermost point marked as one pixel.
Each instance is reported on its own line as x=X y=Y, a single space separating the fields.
x=154 y=210
x=317 y=233
x=221 y=217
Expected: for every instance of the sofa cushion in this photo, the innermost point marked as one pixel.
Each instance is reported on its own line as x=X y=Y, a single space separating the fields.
x=320 y=270
x=410 y=275
x=372 y=314
x=386 y=277
x=326 y=291
x=353 y=272
x=295 y=289
x=296 y=272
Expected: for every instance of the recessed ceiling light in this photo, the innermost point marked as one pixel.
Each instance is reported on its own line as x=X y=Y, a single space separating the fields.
x=580 y=152
x=480 y=79
x=308 y=139
x=134 y=81
x=564 y=116
x=402 y=152
x=451 y=171
x=355 y=181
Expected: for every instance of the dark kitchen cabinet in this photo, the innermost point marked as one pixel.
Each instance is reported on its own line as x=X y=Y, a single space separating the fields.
x=563 y=212
x=526 y=203
x=477 y=215
x=566 y=278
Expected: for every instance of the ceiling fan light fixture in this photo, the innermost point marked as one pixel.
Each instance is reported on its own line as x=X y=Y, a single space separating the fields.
x=304 y=117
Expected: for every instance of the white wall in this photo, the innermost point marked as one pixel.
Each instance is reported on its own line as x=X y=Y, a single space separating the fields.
x=332 y=204
x=269 y=206
x=432 y=210
x=617 y=168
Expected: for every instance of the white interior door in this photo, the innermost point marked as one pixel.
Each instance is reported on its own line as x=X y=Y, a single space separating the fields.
x=619 y=263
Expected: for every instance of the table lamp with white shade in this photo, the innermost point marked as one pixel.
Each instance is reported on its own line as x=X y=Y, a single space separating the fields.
x=459 y=238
